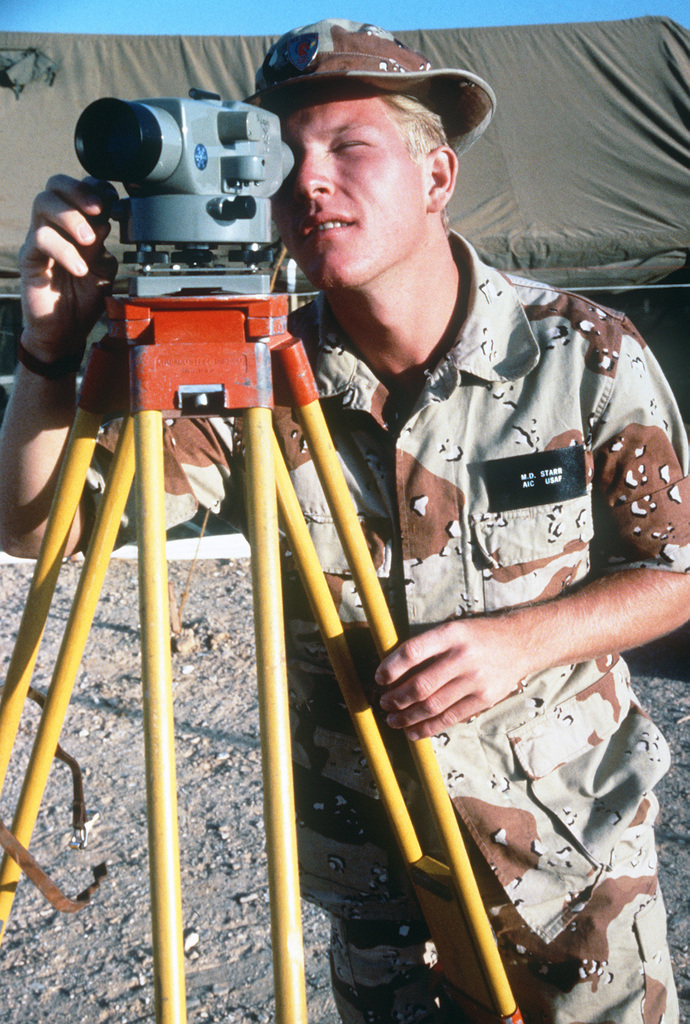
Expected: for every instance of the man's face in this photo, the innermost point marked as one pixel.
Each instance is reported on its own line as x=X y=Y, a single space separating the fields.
x=353 y=211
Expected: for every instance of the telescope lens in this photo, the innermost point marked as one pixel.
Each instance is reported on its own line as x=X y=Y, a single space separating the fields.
x=118 y=141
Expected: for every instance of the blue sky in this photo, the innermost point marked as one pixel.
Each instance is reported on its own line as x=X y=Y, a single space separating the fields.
x=213 y=17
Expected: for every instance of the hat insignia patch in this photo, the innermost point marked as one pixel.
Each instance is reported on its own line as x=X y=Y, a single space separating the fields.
x=302 y=50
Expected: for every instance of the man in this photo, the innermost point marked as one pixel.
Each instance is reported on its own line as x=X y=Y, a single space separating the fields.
x=520 y=471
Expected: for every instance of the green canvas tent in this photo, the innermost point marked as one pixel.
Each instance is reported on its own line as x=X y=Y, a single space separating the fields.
x=582 y=179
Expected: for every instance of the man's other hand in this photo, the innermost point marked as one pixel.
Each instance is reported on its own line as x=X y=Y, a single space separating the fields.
x=448 y=674
x=65 y=268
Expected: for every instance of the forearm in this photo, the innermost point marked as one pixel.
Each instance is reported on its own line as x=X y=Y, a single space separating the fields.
x=34 y=434
x=611 y=614
x=66 y=273
x=461 y=668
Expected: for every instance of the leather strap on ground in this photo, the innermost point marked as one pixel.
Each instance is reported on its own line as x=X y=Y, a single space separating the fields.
x=40 y=879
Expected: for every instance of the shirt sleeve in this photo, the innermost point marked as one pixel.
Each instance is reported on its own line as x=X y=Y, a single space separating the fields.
x=641 y=483
x=198 y=458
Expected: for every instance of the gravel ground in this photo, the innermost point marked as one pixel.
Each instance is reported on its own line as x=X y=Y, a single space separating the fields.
x=96 y=966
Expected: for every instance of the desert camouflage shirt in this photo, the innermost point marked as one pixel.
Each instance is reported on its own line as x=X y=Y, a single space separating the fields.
x=544 y=447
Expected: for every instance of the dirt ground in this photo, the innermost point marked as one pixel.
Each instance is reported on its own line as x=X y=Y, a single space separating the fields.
x=96 y=966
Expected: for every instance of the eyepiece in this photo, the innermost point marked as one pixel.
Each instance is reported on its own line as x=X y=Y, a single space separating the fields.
x=129 y=142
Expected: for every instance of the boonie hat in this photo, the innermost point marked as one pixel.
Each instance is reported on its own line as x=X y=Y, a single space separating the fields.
x=336 y=48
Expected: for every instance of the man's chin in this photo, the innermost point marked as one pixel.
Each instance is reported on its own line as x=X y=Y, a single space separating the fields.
x=328 y=269
x=329 y=277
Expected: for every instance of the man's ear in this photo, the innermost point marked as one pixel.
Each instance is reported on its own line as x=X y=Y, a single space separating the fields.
x=442 y=172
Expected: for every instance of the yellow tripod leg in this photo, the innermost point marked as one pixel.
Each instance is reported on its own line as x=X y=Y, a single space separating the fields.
x=361 y=713
x=383 y=629
x=347 y=524
x=68 y=494
x=161 y=788
x=279 y=806
x=68 y=660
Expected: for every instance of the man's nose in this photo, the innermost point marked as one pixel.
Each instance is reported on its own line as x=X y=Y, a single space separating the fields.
x=311 y=176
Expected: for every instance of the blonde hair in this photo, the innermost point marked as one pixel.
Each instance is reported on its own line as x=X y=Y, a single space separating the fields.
x=422 y=130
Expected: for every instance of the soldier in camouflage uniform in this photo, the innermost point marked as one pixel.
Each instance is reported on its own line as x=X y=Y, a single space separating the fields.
x=523 y=489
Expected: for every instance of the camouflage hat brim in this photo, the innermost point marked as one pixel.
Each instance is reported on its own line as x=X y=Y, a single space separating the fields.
x=335 y=49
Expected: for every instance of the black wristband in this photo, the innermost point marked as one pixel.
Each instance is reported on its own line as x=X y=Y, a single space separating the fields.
x=51 y=371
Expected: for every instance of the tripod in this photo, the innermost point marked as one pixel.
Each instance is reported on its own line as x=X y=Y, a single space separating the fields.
x=210 y=355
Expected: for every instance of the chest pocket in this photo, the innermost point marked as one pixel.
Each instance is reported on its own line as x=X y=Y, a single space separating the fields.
x=532 y=554
x=324 y=534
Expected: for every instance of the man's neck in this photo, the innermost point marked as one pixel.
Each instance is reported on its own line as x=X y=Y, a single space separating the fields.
x=402 y=327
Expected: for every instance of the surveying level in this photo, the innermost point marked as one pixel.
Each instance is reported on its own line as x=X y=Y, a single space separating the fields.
x=199 y=355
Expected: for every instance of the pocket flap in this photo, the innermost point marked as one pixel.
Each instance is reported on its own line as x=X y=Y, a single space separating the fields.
x=593 y=762
x=330 y=551
x=577 y=725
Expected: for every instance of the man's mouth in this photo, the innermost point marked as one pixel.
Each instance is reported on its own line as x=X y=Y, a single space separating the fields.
x=326 y=225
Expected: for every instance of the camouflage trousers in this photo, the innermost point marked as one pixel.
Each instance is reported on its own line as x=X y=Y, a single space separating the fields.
x=382 y=970
x=382 y=974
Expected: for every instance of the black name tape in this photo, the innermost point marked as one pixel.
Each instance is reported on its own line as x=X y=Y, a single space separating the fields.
x=539 y=478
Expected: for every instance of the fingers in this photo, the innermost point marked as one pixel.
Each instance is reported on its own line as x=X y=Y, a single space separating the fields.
x=435 y=695
x=65 y=267
x=445 y=676
x=419 y=667
x=69 y=224
x=426 y=686
x=92 y=197
x=419 y=722
x=412 y=654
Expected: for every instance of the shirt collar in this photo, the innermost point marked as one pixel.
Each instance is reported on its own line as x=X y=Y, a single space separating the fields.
x=495 y=342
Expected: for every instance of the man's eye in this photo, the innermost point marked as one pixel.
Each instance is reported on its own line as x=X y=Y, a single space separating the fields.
x=350 y=144
x=350 y=151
